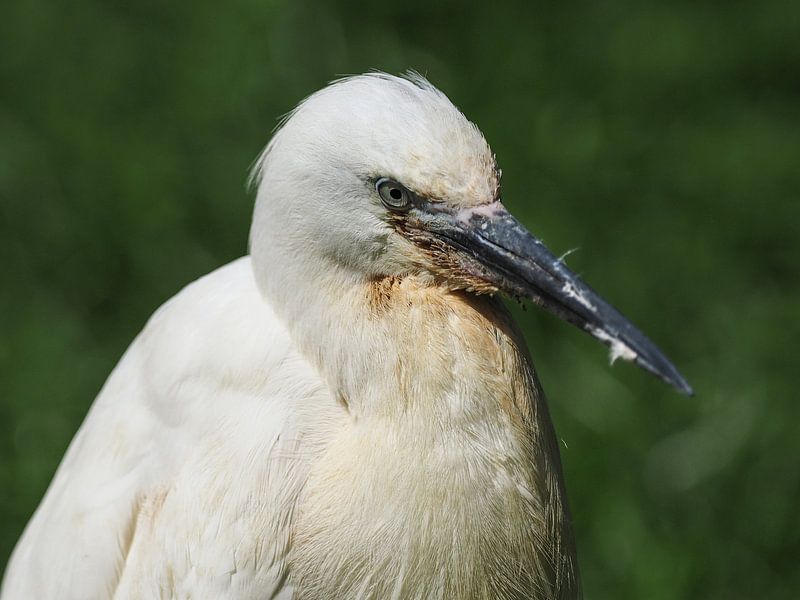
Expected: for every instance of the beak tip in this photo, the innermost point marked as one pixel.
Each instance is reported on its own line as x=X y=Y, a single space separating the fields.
x=677 y=381
x=683 y=387
x=669 y=374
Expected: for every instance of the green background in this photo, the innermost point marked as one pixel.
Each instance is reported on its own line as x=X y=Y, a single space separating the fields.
x=662 y=139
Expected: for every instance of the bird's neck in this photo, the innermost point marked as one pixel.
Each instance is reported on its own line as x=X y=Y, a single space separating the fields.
x=449 y=451
x=402 y=345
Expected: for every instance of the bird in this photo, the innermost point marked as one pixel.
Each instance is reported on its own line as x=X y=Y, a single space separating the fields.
x=349 y=410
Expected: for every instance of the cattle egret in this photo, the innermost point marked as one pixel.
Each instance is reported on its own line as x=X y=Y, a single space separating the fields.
x=349 y=412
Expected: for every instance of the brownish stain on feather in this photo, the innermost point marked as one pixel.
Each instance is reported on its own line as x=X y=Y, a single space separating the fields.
x=436 y=317
x=380 y=292
x=452 y=268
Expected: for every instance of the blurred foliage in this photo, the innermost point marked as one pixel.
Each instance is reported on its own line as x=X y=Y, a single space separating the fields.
x=663 y=139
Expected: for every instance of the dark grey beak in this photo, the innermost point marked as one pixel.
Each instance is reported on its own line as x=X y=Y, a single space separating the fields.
x=516 y=262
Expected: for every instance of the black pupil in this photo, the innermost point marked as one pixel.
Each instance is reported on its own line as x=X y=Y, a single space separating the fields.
x=395 y=193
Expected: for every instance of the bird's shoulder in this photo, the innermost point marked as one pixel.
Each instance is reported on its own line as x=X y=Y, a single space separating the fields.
x=219 y=322
x=189 y=459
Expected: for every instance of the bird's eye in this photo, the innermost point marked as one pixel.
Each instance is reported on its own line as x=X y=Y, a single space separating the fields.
x=393 y=195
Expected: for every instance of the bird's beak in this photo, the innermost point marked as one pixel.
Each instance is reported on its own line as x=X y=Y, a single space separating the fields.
x=497 y=249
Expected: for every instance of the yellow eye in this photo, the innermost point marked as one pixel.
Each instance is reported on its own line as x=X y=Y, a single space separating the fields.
x=393 y=195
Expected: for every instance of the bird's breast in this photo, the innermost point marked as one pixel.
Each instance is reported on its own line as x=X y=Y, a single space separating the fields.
x=446 y=481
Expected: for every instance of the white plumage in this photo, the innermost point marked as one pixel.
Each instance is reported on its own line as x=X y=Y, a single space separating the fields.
x=181 y=479
x=334 y=416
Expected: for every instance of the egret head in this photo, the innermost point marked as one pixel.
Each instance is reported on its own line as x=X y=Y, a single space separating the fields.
x=329 y=170
x=378 y=176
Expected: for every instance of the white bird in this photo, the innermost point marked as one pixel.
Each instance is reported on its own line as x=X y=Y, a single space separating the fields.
x=348 y=412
